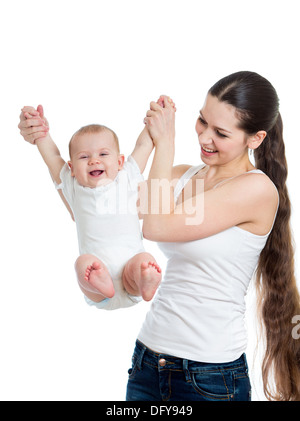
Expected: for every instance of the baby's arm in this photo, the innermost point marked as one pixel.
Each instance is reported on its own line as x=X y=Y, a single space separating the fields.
x=34 y=129
x=51 y=155
x=144 y=144
x=54 y=162
x=34 y=122
x=142 y=149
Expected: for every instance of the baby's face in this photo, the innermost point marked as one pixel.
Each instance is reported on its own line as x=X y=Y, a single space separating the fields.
x=95 y=159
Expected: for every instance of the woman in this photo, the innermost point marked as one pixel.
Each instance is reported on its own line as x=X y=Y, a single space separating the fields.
x=192 y=343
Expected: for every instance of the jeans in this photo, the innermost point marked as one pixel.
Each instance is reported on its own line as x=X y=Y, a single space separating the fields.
x=161 y=377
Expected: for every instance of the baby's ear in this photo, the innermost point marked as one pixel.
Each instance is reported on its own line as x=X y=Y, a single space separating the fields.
x=121 y=160
x=71 y=168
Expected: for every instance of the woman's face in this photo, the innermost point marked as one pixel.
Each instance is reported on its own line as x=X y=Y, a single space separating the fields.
x=220 y=139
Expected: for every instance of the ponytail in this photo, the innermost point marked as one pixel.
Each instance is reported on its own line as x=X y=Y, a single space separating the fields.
x=257 y=105
x=279 y=299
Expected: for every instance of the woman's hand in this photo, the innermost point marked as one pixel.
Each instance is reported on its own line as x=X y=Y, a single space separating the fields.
x=160 y=120
x=33 y=124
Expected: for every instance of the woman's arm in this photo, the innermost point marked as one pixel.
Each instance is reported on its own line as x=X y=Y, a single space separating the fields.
x=160 y=121
x=249 y=201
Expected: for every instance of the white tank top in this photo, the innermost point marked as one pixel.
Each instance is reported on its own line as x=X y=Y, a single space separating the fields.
x=198 y=311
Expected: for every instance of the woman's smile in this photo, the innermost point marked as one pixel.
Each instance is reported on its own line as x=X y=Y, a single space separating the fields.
x=207 y=151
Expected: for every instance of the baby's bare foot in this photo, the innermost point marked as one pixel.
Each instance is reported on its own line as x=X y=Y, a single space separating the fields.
x=99 y=277
x=150 y=279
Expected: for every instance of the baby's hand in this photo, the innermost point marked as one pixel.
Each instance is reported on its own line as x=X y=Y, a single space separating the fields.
x=30 y=112
x=33 y=125
x=160 y=120
x=161 y=102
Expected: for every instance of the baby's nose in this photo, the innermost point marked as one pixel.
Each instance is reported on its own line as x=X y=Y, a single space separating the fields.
x=94 y=160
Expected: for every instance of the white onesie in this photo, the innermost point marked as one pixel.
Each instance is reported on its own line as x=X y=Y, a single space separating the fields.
x=107 y=224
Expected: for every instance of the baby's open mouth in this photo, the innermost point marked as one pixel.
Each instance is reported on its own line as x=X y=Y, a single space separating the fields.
x=96 y=173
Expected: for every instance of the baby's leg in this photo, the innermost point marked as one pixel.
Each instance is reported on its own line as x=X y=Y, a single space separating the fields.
x=142 y=276
x=94 y=278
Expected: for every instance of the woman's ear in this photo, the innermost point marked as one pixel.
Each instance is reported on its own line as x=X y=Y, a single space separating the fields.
x=255 y=141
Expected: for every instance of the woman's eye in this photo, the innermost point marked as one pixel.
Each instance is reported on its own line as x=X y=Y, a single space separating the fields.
x=221 y=134
x=201 y=120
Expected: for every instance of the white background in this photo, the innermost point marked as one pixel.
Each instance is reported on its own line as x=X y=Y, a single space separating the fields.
x=104 y=61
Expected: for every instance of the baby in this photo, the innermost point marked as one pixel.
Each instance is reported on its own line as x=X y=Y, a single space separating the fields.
x=101 y=191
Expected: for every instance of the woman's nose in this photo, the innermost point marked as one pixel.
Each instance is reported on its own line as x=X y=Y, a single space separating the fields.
x=205 y=136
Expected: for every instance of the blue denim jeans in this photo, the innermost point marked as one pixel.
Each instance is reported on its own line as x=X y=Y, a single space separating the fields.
x=161 y=377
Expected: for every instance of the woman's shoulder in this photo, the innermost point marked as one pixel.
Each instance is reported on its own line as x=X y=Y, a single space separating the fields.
x=260 y=180
x=179 y=170
x=258 y=186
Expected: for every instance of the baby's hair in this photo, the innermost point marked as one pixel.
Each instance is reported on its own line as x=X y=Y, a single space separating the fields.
x=94 y=128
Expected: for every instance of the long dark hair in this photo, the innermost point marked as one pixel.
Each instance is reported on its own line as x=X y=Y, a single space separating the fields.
x=257 y=106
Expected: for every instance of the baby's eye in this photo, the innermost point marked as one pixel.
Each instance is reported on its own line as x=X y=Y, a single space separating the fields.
x=83 y=157
x=103 y=154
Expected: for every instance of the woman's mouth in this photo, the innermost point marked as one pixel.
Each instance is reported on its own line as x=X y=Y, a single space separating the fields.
x=208 y=151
